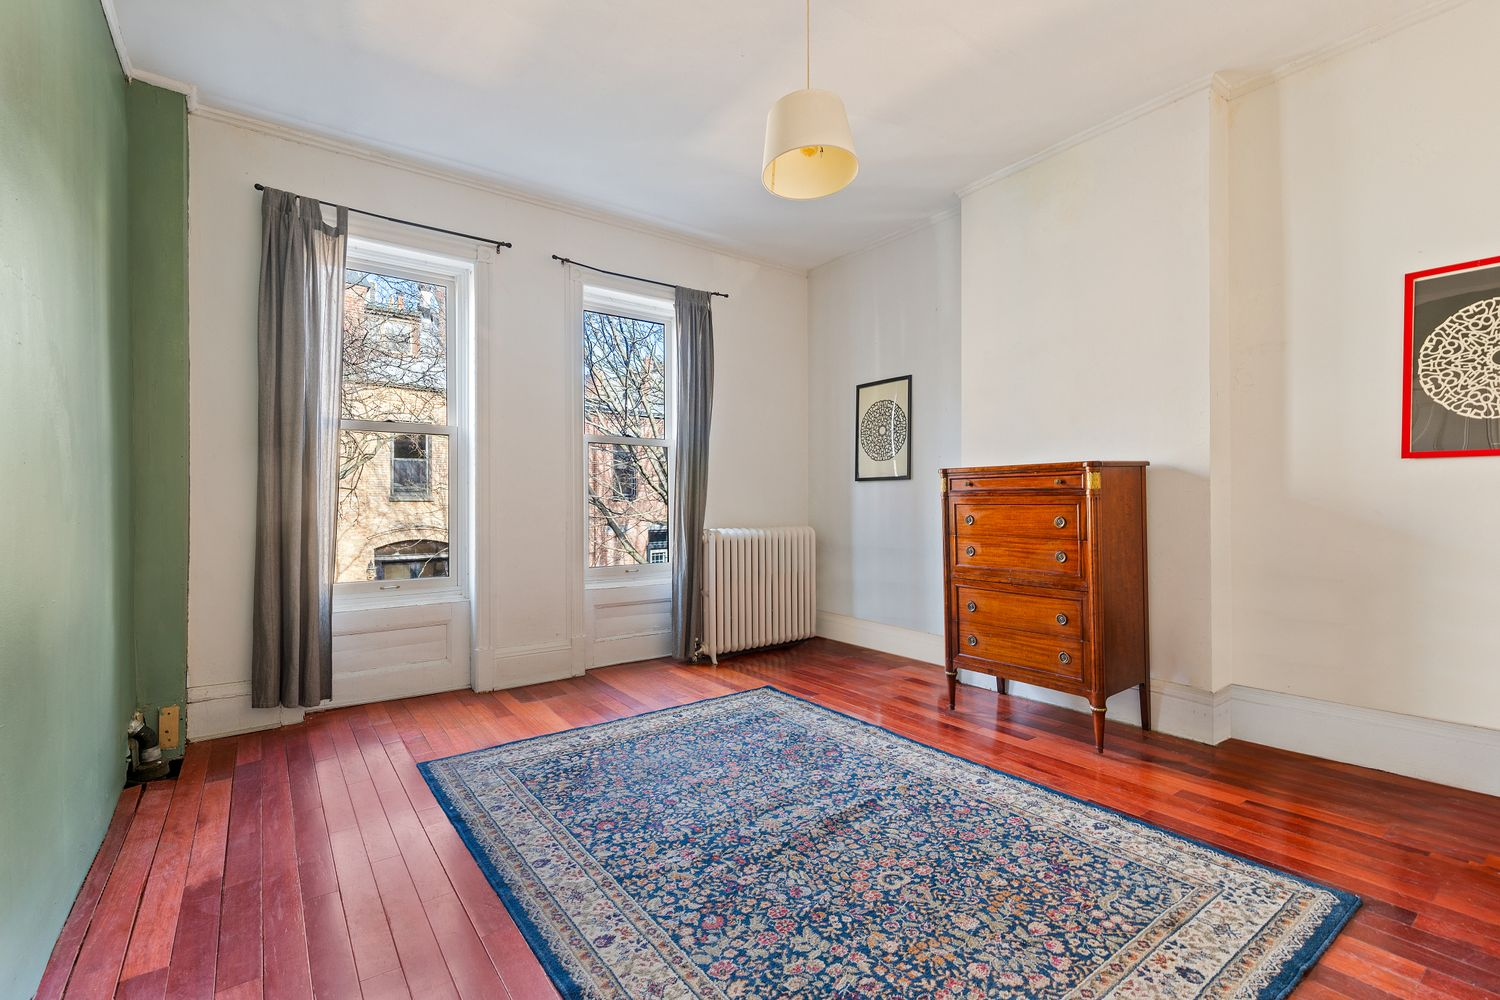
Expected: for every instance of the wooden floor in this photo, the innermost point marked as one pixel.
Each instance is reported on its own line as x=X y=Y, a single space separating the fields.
x=313 y=859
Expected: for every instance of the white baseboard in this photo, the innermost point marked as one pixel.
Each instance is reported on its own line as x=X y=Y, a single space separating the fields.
x=630 y=648
x=532 y=663
x=906 y=642
x=215 y=710
x=1442 y=752
x=1176 y=709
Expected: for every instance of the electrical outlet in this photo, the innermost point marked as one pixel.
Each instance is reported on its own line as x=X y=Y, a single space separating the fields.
x=167 y=727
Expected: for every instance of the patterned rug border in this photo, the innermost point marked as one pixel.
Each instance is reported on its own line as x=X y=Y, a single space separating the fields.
x=1297 y=966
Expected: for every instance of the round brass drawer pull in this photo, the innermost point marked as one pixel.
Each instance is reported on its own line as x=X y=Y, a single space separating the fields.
x=1060 y=482
x=973 y=640
x=969 y=519
x=1060 y=521
x=972 y=607
x=1060 y=556
x=1064 y=658
x=970 y=551
x=1062 y=619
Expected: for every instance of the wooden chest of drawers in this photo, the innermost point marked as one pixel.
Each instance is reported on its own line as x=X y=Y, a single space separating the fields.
x=1045 y=578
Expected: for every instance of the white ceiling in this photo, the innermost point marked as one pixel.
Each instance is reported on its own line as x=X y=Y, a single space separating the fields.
x=655 y=109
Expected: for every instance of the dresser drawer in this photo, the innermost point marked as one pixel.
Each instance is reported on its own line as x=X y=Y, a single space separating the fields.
x=1044 y=613
x=1052 y=557
x=1020 y=482
x=1063 y=657
x=1058 y=520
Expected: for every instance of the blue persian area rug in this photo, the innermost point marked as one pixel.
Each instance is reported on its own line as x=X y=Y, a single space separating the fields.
x=756 y=845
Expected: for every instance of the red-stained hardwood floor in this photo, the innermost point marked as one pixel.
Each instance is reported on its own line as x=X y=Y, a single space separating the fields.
x=312 y=860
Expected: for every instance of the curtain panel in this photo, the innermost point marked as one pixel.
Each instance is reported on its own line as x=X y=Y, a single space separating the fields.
x=300 y=331
x=695 y=405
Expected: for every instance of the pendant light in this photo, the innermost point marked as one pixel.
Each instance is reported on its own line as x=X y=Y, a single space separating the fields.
x=809 y=147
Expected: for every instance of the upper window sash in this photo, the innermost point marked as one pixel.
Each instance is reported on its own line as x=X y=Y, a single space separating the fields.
x=420 y=268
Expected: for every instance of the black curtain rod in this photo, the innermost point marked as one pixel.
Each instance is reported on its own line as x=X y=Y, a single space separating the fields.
x=497 y=244
x=632 y=277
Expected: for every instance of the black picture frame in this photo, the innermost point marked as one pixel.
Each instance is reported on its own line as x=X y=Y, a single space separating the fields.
x=890 y=425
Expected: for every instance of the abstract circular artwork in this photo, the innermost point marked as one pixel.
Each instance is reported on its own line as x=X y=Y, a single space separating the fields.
x=882 y=430
x=1459 y=362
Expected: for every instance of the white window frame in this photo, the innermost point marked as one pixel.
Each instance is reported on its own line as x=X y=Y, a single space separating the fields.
x=457 y=276
x=628 y=299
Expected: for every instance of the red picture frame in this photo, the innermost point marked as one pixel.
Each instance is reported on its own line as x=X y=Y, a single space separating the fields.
x=1409 y=389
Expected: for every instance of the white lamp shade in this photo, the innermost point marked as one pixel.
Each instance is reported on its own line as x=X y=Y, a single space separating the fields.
x=809 y=148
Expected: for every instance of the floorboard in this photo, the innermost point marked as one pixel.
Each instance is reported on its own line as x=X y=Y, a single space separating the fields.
x=313 y=860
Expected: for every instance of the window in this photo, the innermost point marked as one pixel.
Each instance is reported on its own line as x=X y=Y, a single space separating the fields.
x=406 y=317
x=420 y=558
x=411 y=475
x=626 y=420
x=627 y=476
x=656 y=544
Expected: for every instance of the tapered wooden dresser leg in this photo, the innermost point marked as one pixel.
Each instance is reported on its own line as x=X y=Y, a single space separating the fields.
x=1146 y=707
x=952 y=689
x=1098 y=713
x=1000 y=684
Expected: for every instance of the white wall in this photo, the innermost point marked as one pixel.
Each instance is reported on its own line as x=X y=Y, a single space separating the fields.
x=1216 y=286
x=1086 y=336
x=887 y=312
x=760 y=441
x=1360 y=578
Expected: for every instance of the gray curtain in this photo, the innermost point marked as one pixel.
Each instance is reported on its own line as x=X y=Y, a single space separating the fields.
x=695 y=407
x=301 y=304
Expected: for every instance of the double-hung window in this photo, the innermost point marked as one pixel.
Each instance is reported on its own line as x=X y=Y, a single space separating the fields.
x=407 y=317
x=627 y=420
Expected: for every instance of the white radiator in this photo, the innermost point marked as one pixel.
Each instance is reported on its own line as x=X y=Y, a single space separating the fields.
x=758 y=588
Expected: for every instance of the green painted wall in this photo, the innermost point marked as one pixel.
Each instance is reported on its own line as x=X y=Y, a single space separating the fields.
x=65 y=674
x=93 y=376
x=157 y=179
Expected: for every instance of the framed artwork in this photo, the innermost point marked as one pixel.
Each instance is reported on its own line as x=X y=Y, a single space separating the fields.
x=1451 y=387
x=882 y=429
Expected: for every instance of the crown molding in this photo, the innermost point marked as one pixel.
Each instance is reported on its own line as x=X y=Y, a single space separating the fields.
x=466 y=175
x=457 y=174
x=112 y=18
x=1309 y=59
x=1219 y=85
x=926 y=223
x=1200 y=85
x=187 y=90
x=413 y=162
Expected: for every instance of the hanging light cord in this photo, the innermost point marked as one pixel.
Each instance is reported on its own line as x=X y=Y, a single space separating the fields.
x=807 y=44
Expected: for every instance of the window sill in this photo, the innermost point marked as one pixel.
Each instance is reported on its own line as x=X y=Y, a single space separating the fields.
x=627 y=582
x=376 y=600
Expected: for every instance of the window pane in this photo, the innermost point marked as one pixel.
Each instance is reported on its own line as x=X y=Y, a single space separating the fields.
x=624 y=376
x=393 y=506
x=411 y=475
x=395 y=348
x=627 y=505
